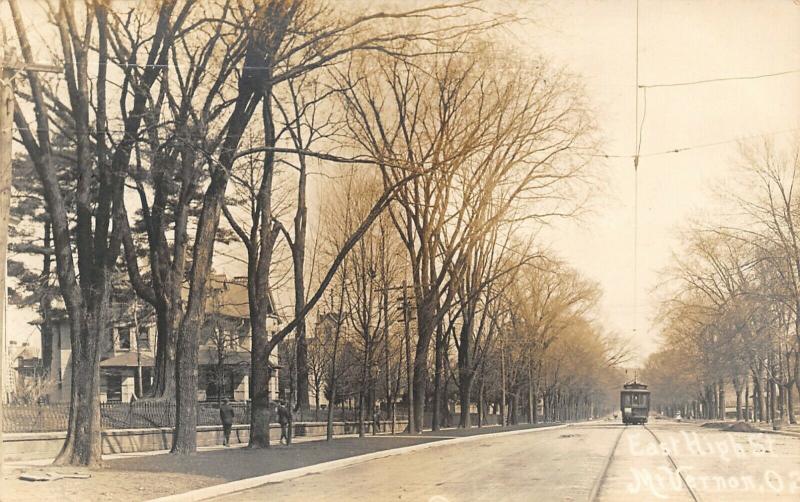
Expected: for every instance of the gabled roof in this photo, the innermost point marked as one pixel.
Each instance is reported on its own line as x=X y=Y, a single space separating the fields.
x=23 y=351
x=228 y=297
x=224 y=296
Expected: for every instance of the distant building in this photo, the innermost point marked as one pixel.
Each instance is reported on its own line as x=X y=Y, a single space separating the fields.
x=128 y=350
x=24 y=371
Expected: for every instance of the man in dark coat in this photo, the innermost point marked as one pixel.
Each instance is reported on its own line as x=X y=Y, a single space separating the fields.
x=376 y=420
x=285 y=419
x=226 y=416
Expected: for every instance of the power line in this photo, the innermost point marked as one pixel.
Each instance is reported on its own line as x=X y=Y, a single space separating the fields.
x=675 y=150
x=682 y=149
x=716 y=143
x=189 y=66
x=719 y=79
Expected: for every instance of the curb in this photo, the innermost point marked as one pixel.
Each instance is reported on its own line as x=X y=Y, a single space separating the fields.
x=277 y=477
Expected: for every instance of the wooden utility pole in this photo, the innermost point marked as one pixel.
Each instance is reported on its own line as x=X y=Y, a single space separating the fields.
x=502 y=383
x=9 y=68
x=6 y=119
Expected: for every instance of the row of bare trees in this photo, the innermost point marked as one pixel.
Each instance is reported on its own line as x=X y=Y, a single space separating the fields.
x=520 y=345
x=180 y=126
x=733 y=322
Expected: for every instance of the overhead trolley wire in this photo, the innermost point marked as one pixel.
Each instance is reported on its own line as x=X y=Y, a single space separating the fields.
x=681 y=149
x=719 y=79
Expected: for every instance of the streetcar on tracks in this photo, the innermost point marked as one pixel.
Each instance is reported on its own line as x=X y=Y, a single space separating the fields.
x=634 y=403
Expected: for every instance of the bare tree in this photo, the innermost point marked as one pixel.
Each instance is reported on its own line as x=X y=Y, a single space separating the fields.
x=291 y=40
x=100 y=169
x=482 y=144
x=182 y=117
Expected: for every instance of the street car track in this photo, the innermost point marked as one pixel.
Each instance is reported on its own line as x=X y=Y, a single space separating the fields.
x=674 y=466
x=594 y=494
x=598 y=483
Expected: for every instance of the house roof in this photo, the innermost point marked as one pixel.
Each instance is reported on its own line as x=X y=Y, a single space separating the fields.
x=224 y=296
x=228 y=297
x=127 y=360
x=24 y=351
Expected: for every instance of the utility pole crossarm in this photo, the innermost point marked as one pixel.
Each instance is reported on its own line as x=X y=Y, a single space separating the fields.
x=22 y=66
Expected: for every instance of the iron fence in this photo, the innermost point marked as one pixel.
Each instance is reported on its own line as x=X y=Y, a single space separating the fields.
x=143 y=414
x=35 y=418
x=136 y=415
x=159 y=413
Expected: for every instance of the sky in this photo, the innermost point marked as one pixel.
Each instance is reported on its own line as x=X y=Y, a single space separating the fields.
x=678 y=41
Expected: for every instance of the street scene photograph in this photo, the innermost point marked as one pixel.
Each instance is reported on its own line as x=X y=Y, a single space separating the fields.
x=399 y=250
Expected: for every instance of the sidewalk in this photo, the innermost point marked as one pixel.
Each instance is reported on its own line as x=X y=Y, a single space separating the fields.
x=764 y=427
x=786 y=430
x=151 y=475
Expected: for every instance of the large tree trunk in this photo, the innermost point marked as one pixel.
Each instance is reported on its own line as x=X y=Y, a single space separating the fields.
x=770 y=399
x=438 y=380
x=502 y=385
x=481 y=404
x=420 y=381
x=425 y=330
x=387 y=367
x=797 y=371
x=465 y=398
x=787 y=389
x=445 y=402
x=546 y=405
x=258 y=290
x=260 y=375
x=169 y=306
x=737 y=387
x=531 y=404
x=82 y=445
x=362 y=394
x=86 y=299
x=184 y=440
x=298 y=261
x=465 y=373
x=758 y=398
x=166 y=349
x=746 y=398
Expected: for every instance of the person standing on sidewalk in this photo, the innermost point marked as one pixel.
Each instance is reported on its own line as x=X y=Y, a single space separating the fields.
x=285 y=419
x=226 y=416
x=376 y=420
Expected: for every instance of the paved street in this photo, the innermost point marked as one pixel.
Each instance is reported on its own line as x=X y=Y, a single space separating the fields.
x=717 y=465
x=144 y=476
x=565 y=464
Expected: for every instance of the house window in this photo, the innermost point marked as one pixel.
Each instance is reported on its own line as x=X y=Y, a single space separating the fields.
x=143 y=338
x=114 y=388
x=124 y=338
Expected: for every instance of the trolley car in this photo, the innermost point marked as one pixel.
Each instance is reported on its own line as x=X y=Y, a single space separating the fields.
x=634 y=403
